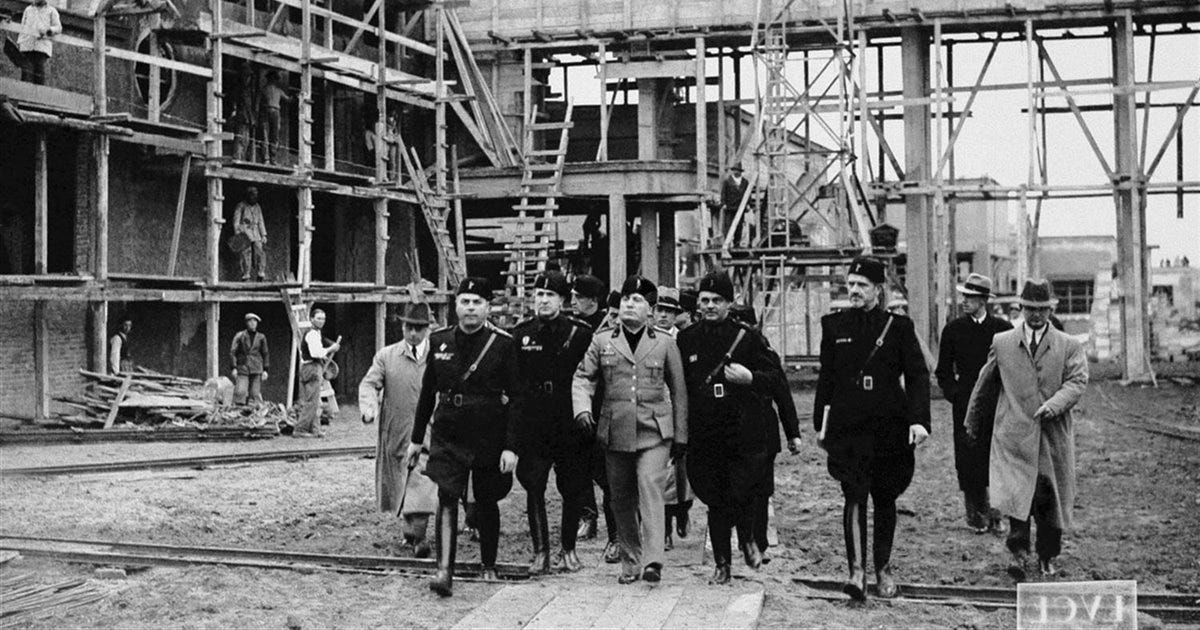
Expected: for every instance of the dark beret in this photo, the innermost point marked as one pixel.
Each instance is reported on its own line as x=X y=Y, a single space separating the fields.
x=870 y=268
x=641 y=286
x=476 y=285
x=553 y=281
x=717 y=282
x=589 y=287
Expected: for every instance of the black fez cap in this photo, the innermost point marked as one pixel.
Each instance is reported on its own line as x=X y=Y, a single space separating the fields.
x=588 y=287
x=717 y=282
x=641 y=286
x=688 y=299
x=553 y=281
x=614 y=299
x=870 y=268
x=476 y=285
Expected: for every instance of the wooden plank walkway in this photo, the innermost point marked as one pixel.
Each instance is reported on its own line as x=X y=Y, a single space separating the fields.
x=641 y=606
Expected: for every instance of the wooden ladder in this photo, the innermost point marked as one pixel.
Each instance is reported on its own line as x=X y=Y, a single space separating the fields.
x=535 y=225
x=437 y=216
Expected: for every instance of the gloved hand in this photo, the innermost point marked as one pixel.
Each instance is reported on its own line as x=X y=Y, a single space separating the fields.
x=584 y=422
x=917 y=434
x=678 y=450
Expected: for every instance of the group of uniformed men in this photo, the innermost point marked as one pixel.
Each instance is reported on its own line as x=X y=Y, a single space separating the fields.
x=663 y=395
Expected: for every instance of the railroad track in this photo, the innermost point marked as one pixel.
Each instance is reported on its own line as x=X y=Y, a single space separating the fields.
x=127 y=554
x=1169 y=607
x=192 y=462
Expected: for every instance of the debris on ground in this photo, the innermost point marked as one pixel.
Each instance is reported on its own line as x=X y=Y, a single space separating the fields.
x=145 y=398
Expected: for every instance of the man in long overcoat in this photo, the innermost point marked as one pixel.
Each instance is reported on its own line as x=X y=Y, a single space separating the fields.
x=1034 y=376
x=961 y=354
x=389 y=393
x=642 y=423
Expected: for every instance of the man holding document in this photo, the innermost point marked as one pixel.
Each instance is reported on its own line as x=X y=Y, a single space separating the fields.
x=866 y=420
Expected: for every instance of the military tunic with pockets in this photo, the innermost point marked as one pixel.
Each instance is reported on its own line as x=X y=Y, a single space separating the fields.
x=477 y=417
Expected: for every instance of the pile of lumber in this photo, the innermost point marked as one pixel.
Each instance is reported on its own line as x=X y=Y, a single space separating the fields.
x=23 y=600
x=147 y=398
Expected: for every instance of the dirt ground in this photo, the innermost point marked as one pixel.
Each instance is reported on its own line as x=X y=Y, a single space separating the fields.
x=1139 y=502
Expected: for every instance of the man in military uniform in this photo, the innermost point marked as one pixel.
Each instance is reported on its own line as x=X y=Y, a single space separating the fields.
x=549 y=347
x=961 y=355
x=588 y=295
x=687 y=301
x=866 y=421
x=642 y=423
x=472 y=379
x=781 y=411
x=729 y=373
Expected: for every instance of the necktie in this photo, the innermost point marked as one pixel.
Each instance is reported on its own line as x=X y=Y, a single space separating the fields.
x=1033 y=345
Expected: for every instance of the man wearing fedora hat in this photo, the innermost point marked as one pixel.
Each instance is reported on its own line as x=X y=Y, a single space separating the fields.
x=251 y=361
x=1033 y=377
x=963 y=351
x=388 y=393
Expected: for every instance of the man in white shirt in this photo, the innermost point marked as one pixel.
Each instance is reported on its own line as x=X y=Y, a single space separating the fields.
x=39 y=24
x=313 y=355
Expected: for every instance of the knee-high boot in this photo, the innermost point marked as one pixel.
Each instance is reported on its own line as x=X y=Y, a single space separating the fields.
x=885 y=535
x=487 y=515
x=745 y=532
x=446 y=539
x=854 y=528
x=535 y=507
x=718 y=532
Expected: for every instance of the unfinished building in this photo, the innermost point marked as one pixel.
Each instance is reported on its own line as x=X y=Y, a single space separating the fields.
x=413 y=141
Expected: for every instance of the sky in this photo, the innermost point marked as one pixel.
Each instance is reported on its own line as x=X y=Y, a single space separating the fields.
x=994 y=140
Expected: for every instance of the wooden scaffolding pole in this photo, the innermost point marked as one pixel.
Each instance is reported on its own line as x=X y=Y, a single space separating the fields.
x=41 y=216
x=99 y=310
x=381 y=176
x=304 y=197
x=440 y=145
x=701 y=73
x=1131 y=221
x=216 y=190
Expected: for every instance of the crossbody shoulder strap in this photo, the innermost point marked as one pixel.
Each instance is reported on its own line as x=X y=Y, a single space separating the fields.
x=482 y=353
x=728 y=355
x=878 y=344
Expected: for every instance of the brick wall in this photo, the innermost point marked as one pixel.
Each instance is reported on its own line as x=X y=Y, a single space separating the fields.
x=67 y=323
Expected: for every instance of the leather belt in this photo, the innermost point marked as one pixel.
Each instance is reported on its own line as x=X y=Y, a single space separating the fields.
x=468 y=400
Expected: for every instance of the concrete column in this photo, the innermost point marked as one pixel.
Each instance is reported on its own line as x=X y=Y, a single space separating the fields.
x=914 y=61
x=1131 y=220
x=666 y=248
x=649 y=242
x=650 y=116
x=616 y=240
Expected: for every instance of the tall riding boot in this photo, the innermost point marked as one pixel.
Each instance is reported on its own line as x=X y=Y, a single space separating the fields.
x=885 y=534
x=718 y=532
x=446 y=539
x=535 y=506
x=487 y=515
x=854 y=528
x=745 y=532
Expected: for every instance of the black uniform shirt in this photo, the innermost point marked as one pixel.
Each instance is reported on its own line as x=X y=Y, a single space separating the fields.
x=485 y=419
x=879 y=405
x=738 y=415
x=548 y=351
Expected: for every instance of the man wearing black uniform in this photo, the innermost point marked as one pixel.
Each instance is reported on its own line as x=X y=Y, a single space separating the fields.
x=961 y=355
x=729 y=373
x=472 y=378
x=866 y=421
x=549 y=347
x=588 y=294
x=780 y=409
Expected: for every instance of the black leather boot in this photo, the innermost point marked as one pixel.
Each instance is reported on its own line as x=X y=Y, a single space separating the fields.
x=854 y=528
x=446 y=542
x=718 y=532
x=884 y=583
x=539 y=532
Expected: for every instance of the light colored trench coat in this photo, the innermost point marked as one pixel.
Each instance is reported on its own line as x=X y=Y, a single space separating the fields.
x=1011 y=387
x=389 y=392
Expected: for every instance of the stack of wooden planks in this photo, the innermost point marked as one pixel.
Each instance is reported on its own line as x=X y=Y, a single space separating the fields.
x=145 y=397
x=24 y=600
